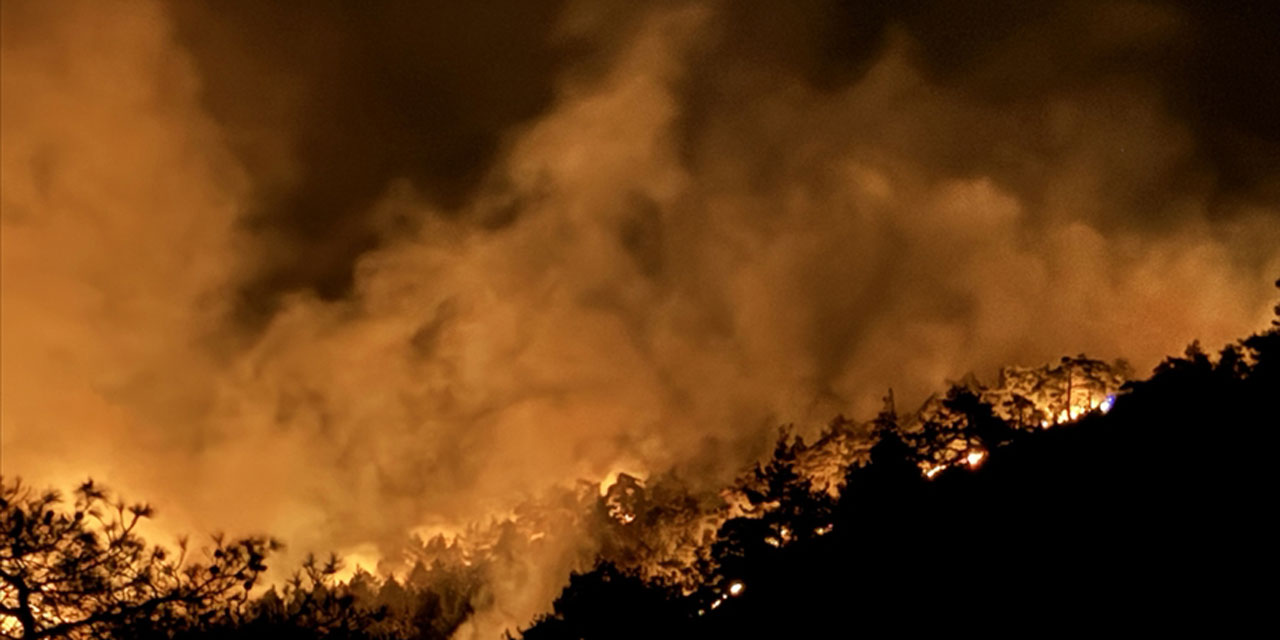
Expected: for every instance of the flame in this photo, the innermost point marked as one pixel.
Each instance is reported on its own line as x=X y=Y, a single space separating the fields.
x=620 y=495
x=1107 y=403
x=361 y=557
x=975 y=458
x=1078 y=409
x=734 y=590
x=612 y=478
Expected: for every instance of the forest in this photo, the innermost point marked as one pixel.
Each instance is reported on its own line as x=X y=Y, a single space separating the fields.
x=1141 y=509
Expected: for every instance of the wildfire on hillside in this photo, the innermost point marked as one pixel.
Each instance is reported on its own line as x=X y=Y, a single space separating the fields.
x=659 y=529
x=1050 y=395
x=662 y=531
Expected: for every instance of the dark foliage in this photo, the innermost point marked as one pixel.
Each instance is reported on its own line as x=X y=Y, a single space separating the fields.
x=1153 y=518
x=84 y=572
x=608 y=603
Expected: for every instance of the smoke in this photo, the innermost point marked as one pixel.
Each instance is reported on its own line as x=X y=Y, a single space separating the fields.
x=119 y=245
x=710 y=220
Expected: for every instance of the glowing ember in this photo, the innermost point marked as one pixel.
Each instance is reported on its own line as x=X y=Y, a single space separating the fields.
x=736 y=587
x=824 y=530
x=1107 y=403
x=975 y=458
x=933 y=471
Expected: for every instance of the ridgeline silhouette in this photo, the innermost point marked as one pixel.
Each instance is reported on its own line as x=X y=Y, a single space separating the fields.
x=1148 y=518
x=1151 y=517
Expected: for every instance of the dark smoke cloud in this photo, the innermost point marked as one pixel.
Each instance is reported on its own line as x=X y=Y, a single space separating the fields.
x=326 y=103
x=402 y=266
x=1206 y=62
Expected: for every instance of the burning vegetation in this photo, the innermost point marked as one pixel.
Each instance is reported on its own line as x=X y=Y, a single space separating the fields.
x=1053 y=530
x=391 y=278
x=866 y=510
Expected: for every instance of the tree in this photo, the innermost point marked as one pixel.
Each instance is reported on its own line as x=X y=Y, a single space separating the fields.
x=980 y=421
x=785 y=509
x=312 y=604
x=84 y=572
x=609 y=603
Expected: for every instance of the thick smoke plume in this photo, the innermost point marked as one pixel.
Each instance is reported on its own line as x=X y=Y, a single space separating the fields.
x=639 y=245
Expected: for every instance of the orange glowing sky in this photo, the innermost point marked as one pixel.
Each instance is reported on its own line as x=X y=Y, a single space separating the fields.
x=338 y=274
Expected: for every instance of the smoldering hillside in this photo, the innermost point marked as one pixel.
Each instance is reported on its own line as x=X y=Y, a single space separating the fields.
x=338 y=274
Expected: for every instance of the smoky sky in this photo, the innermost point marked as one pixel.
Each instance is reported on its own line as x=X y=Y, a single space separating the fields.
x=326 y=104
x=336 y=271
x=359 y=96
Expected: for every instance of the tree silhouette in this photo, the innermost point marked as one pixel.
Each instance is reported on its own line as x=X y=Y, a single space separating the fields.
x=609 y=604
x=980 y=421
x=1150 y=518
x=1153 y=517
x=785 y=506
x=311 y=604
x=86 y=573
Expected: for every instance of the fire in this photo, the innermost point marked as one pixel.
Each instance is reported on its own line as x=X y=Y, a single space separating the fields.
x=734 y=590
x=621 y=496
x=618 y=475
x=1107 y=403
x=1055 y=394
x=1029 y=399
x=364 y=557
x=972 y=459
x=1080 y=409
